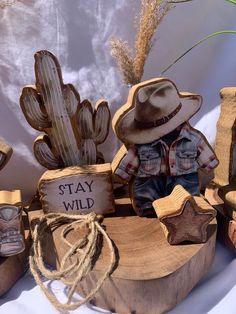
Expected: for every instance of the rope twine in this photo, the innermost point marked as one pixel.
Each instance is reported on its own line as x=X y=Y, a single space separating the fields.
x=8 y=3
x=69 y=272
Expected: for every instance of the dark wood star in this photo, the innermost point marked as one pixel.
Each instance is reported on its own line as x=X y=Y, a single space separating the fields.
x=188 y=225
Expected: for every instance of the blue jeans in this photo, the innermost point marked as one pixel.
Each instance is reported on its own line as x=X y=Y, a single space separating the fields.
x=148 y=189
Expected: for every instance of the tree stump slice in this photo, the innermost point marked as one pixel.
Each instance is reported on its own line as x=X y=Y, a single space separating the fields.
x=14 y=267
x=150 y=274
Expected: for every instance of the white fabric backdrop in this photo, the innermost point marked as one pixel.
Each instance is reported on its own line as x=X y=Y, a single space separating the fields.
x=77 y=32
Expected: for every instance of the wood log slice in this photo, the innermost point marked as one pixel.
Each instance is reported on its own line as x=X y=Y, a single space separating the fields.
x=14 y=267
x=151 y=276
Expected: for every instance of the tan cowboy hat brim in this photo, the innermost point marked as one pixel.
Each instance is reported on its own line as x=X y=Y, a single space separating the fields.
x=130 y=133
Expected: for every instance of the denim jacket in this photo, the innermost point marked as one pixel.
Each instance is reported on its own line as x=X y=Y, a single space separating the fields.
x=184 y=155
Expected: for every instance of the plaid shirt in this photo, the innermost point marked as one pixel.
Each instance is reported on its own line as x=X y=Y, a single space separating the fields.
x=184 y=155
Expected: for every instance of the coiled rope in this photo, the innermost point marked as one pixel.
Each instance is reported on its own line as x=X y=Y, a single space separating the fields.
x=82 y=251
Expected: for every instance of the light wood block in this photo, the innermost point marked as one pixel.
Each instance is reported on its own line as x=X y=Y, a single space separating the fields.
x=228 y=195
x=226 y=230
x=225 y=138
x=10 y=197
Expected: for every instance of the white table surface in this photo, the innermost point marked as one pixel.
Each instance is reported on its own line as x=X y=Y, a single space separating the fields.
x=215 y=293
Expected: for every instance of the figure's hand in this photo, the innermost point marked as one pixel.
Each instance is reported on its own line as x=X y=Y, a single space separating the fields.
x=122 y=158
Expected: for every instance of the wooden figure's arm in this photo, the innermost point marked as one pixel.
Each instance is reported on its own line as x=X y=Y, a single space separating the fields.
x=207 y=159
x=125 y=164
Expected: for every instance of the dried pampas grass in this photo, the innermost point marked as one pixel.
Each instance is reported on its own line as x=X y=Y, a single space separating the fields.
x=132 y=67
x=123 y=55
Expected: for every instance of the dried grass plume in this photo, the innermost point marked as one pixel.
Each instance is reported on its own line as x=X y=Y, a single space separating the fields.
x=131 y=65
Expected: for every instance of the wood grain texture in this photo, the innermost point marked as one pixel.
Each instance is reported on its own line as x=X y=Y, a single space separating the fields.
x=115 y=164
x=10 y=197
x=225 y=137
x=55 y=108
x=5 y=154
x=77 y=190
x=184 y=217
x=147 y=266
x=14 y=267
x=228 y=195
x=226 y=230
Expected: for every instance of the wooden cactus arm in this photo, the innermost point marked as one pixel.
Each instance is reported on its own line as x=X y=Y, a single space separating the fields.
x=88 y=152
x=5 y=154
x=85 y=120
x=72 y=100
x=44 y=154
x=64 y=136
x=32 y=108
x=102 y=119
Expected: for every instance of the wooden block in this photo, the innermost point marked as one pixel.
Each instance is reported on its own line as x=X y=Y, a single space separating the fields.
x=77 y=189
x=150 y=276
x=10 y=197
x=228 y=195
x=184 y=217
x=14 y=267
x=226 y=230
x=211 y=194
x=225 y=138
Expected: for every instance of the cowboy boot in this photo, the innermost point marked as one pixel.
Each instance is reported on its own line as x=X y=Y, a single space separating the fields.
x=11 y=238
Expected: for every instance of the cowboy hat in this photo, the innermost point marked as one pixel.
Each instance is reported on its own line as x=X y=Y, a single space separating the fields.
x=154 y=108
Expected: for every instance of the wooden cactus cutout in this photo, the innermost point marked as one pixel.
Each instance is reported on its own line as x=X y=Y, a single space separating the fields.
x=72 y=129
x=5 y=154
x=93 y=128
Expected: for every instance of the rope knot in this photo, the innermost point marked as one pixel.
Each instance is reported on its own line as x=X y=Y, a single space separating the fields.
x=92 y=217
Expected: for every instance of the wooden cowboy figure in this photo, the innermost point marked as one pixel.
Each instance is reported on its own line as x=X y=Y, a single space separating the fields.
x=163 y=149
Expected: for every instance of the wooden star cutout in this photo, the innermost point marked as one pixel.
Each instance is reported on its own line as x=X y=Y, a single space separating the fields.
x=189 y=225
x=184 y=217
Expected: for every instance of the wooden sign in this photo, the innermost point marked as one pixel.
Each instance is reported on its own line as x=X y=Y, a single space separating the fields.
x=77 y=190
x=73 y=128
x=184 y=217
